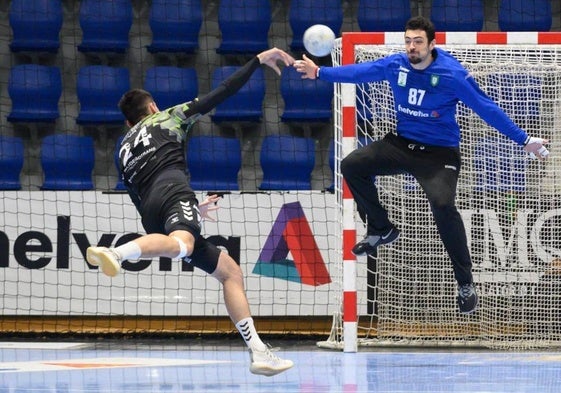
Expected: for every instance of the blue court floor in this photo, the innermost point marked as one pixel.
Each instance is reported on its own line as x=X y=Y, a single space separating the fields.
x=215 y=366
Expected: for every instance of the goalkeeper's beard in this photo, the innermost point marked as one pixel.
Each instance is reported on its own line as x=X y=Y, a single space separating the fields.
x=414 y=59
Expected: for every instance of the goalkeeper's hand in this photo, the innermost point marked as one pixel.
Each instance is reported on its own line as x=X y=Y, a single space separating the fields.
x=306 y=67
x=535 y=148
x=208 y=205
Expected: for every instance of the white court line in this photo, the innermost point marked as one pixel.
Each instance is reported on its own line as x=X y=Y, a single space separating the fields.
x=99 y=363
x=39 y=345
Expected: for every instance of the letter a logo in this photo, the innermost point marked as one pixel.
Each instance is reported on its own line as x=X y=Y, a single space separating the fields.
x=291 y=232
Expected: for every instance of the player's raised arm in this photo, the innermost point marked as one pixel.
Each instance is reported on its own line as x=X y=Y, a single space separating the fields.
x=472 y=95
x=272 y=56
x=234 y=82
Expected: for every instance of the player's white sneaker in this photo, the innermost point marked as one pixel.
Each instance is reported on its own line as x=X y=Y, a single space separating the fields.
x=267 y=363
x=106 y=258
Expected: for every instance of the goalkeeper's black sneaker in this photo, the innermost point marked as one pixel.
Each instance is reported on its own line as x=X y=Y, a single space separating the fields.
x=467 y=298
x=368 y=245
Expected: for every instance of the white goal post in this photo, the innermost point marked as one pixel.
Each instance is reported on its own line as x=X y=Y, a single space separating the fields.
x=509 y=203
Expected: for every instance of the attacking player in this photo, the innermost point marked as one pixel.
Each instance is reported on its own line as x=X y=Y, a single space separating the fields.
x=153 y=166
x=427 y=83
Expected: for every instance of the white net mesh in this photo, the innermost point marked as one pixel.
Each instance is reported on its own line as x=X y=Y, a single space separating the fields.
x=508 y=203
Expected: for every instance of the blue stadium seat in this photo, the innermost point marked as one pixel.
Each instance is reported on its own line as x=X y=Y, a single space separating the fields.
x=457 y=15
x=35 y=91
x=383 y=15
x=305 y=100
x=499 y=165
x=287 y=162
x=68 y=162
x=214 y=163
x=11 y=162
x=305 y=13
x=175 y=25
x=171 y=85
x=120 y=186
x=105 y=25
x=246 y=104
x=35 y=25
x=525 y=15
x=244 y=26
x=99 y=89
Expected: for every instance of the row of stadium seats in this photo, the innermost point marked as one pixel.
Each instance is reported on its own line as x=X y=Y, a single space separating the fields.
x=68 y=162
x=176 y=24
x=287 y=163
x=35 y=91
x=513 y=15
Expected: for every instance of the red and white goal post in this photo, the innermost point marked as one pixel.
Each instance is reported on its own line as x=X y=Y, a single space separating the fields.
x=509 y=203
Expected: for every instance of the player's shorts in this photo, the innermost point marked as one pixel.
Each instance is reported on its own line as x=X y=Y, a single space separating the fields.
x=171 y=205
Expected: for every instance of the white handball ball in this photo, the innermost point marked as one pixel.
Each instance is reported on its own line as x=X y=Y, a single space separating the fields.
x=318 y=40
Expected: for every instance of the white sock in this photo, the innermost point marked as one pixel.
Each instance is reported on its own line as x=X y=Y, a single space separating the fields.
x=129 y=250
x=249 y=334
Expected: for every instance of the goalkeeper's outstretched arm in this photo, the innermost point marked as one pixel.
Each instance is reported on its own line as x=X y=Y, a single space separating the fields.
x=471 y=95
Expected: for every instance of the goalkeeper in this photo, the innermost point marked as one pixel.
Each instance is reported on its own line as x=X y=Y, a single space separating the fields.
x=427 y=83
x=152 y=161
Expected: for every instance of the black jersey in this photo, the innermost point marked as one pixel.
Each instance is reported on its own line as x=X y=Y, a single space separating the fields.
x=157 y=142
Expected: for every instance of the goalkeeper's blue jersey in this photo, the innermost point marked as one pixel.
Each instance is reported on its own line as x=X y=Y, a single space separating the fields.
x=426 y=100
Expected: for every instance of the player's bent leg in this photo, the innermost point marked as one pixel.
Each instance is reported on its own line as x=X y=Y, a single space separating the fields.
x=263 y=360
x=185 y=241
x=230 y=275
x=106 y=258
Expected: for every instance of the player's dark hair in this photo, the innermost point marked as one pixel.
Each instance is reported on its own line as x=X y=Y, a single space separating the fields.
x=134 y=105
x=421 y=23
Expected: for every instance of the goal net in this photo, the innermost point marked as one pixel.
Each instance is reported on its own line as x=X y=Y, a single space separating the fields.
x=508 y=202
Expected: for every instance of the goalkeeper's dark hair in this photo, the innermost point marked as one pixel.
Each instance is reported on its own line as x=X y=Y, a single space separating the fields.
x=134 y=105
x=421 y=23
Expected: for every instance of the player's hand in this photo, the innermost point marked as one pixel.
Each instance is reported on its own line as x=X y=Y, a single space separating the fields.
x=535 y=147
x=208 y=205
x=306 y=67
x=272 y=56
